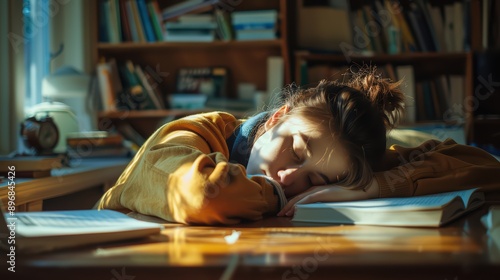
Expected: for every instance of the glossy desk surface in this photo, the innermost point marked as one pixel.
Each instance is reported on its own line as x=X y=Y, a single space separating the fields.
x=276 y=249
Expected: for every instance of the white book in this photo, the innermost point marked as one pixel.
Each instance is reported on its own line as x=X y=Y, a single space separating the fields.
x=457 y=95
x=438 y=23
x=406 y=73
x=148 y=87
x=275 y=76
x=449 y=33
x=35 y=232
x=458 y=26
x=419 y=211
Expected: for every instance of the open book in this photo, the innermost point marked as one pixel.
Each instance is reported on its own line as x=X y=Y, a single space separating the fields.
x=36 y=232
x=419 y=211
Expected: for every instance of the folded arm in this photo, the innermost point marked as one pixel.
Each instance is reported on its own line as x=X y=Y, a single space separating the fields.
x=432 y=167
x=182 y=175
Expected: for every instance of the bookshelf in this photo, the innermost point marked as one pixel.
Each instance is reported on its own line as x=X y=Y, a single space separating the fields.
x=245 y=61
x=453 y=61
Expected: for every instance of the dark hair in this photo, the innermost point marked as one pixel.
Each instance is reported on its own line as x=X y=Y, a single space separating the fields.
x=358 y=112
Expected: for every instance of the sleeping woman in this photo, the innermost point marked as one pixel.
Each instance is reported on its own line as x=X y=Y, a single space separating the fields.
x=326 y=143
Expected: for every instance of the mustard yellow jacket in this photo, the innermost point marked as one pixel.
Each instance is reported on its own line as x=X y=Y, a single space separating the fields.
x=182 y=174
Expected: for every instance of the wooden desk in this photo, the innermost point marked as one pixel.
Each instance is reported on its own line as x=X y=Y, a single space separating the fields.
x=83 y=174
x=274 y=249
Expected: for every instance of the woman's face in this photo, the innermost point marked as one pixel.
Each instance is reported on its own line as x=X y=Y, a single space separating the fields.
x=298 y=154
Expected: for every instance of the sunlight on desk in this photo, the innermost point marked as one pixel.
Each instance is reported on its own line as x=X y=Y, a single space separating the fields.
x=274 y=248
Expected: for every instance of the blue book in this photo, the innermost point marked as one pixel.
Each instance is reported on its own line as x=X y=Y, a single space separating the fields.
x=103 y=21
x=130 y=17
x=254 y=25
x=146 y=21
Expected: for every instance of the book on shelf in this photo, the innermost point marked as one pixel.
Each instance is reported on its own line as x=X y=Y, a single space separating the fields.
x=129 y=17
x=187 y=7
x=210 y=81
x=437 y=23
x=134 y=96
x=146 y=21
x=124 y=85
x=406 y=73
x=191 y=28
x=155 y=15
x=420 y=28
x=96 y=144
x=129 y=133
x=419 y=25
x=146 y=83
x=38 y=232
x=255 y=25
x=110 y=84
x=136 y=17
x=275 y=76
x=94 y=139
x=223 y=29
x=432 y=210
x=129 y=20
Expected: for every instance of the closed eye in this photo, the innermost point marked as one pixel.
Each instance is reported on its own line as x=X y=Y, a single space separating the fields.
x=295 y=155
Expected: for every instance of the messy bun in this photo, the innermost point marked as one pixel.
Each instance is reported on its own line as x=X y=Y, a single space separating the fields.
x=383 y=93
x=358 y=112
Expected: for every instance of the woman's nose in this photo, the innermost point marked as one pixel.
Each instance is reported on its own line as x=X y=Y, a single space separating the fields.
x=287 y=176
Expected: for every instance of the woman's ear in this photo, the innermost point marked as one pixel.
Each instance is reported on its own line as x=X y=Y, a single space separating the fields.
x=276 y=116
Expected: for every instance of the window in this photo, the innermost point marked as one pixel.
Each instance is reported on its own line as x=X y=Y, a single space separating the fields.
x=36 y=18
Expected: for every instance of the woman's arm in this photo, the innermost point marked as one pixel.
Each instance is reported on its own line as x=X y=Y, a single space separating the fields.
x=435 y=167
x=432 y=167
x=181 y=174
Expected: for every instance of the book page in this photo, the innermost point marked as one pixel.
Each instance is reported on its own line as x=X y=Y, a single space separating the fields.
x=76 y=222
x=402 y=203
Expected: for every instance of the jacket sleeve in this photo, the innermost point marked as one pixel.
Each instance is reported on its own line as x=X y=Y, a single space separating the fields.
x=435 y=167
x=181 y=174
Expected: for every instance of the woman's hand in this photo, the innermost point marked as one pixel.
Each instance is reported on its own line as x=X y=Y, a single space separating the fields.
x=329 y=193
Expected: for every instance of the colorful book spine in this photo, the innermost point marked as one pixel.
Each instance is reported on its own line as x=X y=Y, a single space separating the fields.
x=146 y=21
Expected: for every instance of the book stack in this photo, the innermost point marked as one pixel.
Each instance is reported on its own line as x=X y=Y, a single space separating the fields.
x=185 y=7
x=30 y=166
x=255 y=25
x=95 y=144
x=191 y=28
x=129 y=86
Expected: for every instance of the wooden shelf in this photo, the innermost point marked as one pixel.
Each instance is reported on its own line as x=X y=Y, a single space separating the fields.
x=245 y=61
x=132 y=46
x=381 y=58
x=175 y=113
x=170 y=113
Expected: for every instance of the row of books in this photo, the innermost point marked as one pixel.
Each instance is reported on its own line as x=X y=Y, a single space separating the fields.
x=96 y=144
x=255 y=25
x=490 y=24
x=124 y=85
x=243 y=25
x=193 y=28
x=387 y=26
x=437 y=99
x=130 y=20
x=441 y=98
x=128 y=86
x=144 y=21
